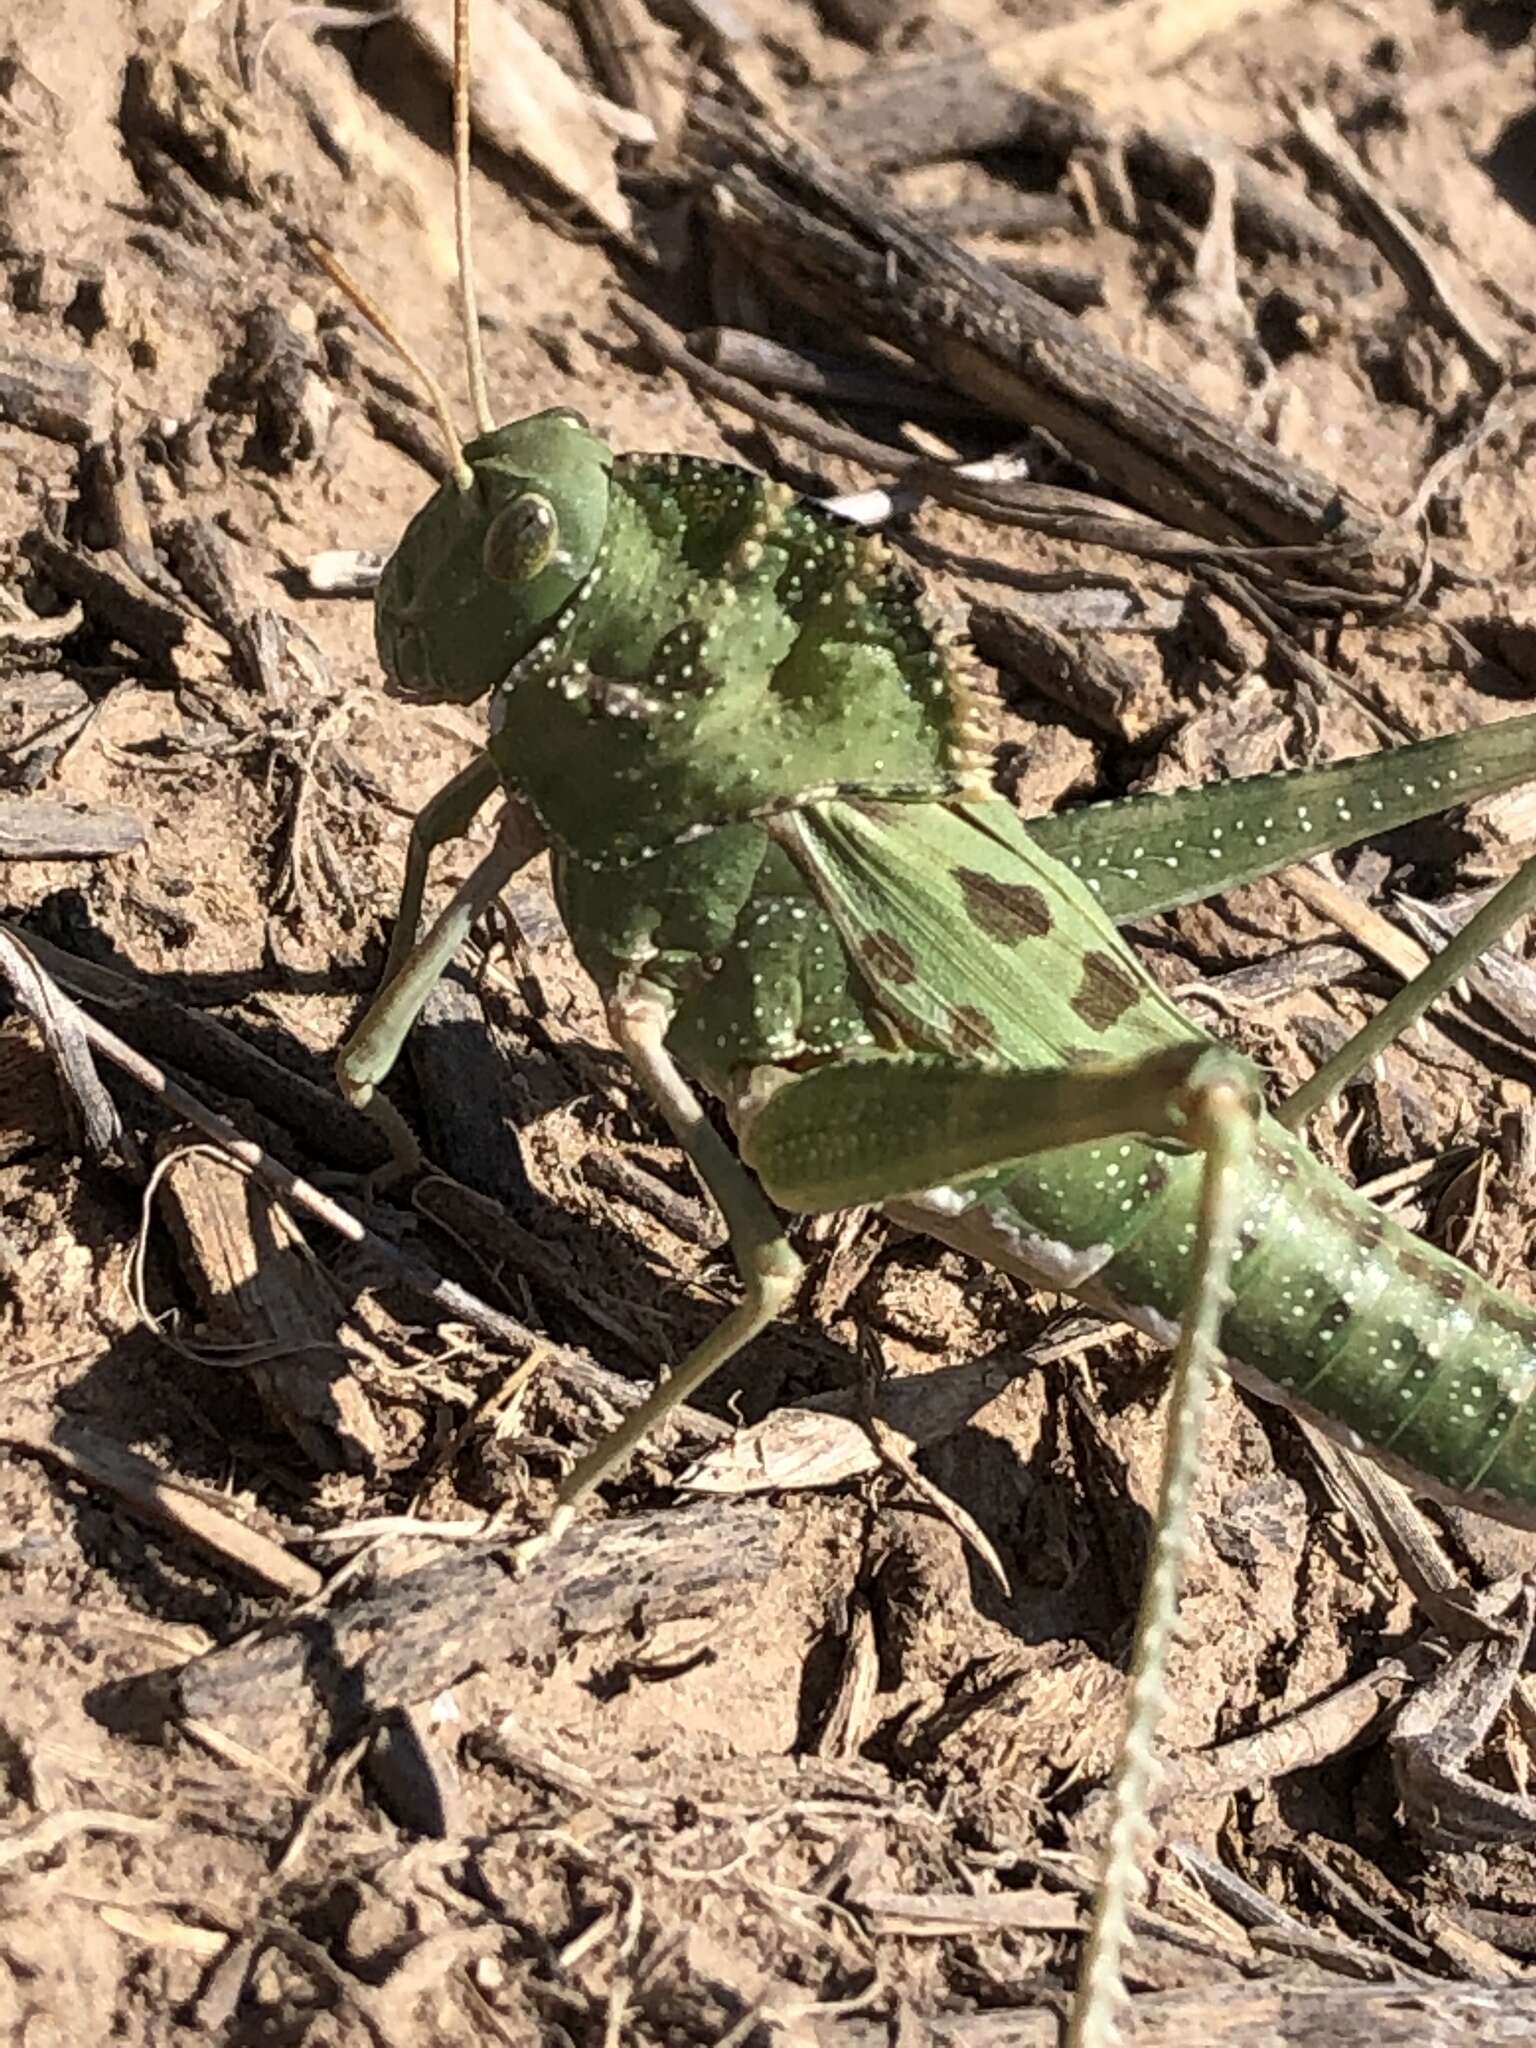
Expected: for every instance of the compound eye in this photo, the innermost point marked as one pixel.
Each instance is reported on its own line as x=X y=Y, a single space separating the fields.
x=521 y=540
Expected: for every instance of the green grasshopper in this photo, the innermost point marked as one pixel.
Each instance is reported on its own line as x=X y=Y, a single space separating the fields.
x=750 y=747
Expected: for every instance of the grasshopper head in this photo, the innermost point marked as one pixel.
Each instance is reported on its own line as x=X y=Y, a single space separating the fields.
x=483 y=568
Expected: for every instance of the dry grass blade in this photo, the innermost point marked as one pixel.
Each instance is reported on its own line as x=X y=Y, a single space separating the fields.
x=1321 y=892
x=1422 y=271
x=165 y=1930
x=1442 y=1729
x=827 y=1441
x=152 y=1494
x=66 y=1041
x=1330 y=1727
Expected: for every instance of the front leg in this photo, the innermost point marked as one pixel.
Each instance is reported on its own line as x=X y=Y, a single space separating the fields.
x=374 y=1046
x=447 y=814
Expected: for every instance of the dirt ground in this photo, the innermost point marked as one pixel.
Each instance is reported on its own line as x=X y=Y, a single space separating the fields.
x=813 y=1776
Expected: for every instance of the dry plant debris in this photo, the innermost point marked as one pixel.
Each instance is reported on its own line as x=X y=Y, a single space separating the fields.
x=1189 y=349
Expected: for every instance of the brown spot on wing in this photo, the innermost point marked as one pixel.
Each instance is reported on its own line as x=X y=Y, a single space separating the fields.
x=971 y=1030
x=1107 y=990
x=887 y=959
x=1009 y=911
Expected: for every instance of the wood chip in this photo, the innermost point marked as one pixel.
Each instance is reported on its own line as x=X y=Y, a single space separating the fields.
x=261 y=1287
x=824 y=238
x=1080 y=674
x=64 y=401
x=155 y=1497
x=420 y=1632
x=847 y=1721
x=42 y=828
x=119 y=602
x=524 y=103
x=164 y=1930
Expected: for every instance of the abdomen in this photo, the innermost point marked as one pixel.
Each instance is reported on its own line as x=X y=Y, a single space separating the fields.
x=1402 y=1349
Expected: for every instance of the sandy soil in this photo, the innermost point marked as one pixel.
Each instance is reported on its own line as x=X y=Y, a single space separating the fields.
x=698 y=1826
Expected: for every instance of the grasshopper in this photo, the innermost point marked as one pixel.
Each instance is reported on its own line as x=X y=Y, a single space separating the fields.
x=750 y=747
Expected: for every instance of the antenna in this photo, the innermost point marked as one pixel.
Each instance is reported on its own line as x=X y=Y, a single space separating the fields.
x=374 y=314
x=479 y=395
